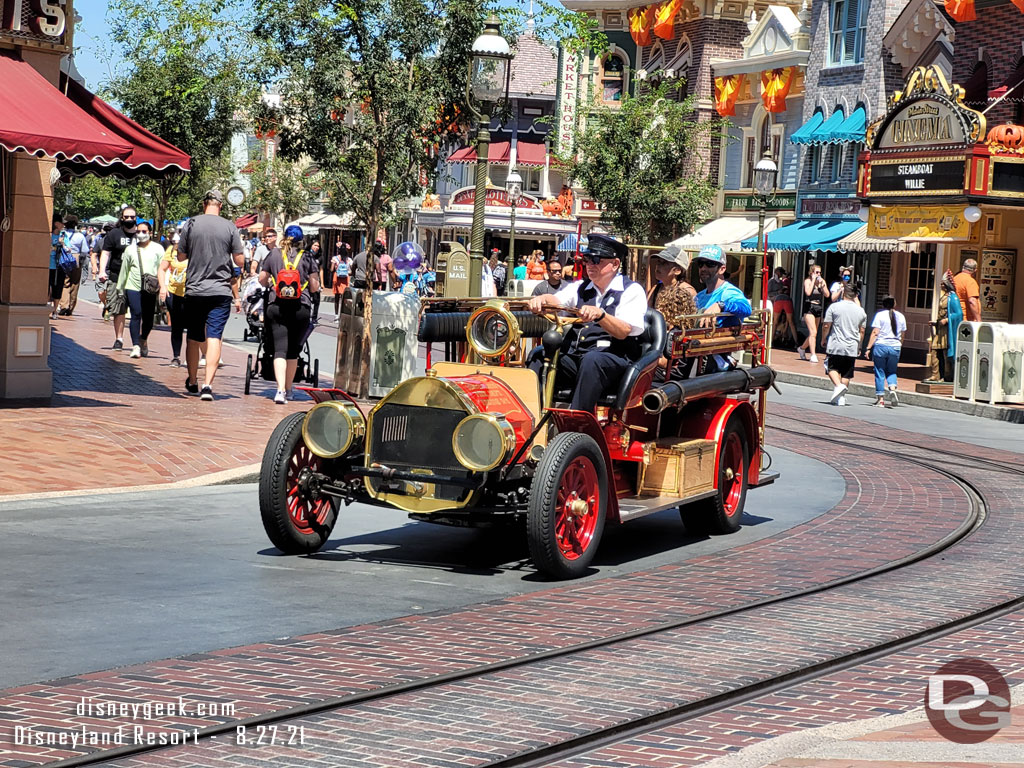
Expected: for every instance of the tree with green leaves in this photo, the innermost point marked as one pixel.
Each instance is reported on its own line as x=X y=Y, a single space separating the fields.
x=188 y=68
x=644 y=162
x=371 y=89
x=280 y=188
x=90 y=196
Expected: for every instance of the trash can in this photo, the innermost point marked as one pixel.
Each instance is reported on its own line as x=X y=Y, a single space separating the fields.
x=983 y=353
x=522 y=289
x=395 y=346
x=963 y=379
x=1007 y=356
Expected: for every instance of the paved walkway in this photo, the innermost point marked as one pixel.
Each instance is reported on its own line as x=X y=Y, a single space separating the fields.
x=115 y=422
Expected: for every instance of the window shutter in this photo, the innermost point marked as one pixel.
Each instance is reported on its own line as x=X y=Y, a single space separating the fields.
x=850 y=31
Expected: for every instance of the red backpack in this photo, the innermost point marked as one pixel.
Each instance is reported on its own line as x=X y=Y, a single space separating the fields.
x=288 y=283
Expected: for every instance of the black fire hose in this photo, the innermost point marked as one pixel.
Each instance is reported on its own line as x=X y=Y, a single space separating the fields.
x=713 y=384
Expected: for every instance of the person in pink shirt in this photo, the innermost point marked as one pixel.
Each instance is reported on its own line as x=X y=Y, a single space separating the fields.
x=384 y=268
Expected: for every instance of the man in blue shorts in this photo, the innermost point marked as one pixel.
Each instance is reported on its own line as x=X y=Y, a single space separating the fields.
x=213 y=248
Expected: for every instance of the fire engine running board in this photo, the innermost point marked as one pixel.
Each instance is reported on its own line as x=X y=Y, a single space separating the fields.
x=765 y=478
x=633 y=508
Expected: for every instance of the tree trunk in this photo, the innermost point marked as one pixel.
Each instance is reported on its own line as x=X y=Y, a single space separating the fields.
x=367 y=341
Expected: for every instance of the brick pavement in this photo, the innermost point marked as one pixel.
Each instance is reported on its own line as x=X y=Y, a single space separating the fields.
x=859 y=533
x=133 y=414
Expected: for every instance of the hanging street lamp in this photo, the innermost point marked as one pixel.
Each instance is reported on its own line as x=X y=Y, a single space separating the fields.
x=765 y=175
x=487 y=84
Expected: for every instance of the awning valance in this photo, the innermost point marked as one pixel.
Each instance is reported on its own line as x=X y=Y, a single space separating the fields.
x=727 y=231
x=150 y=156
x=38 y=119
x=861 y=241
x=568 y=243
x=499 y=152
x=808 y=235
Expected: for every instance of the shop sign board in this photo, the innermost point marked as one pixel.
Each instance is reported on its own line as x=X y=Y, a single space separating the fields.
x=921 y=124
x=936 y=222
x=830 y=206
x=569 y=90
x=35 y=21
x=785 y=201
x=995 y=272
x=916 y=177
x=495 y=198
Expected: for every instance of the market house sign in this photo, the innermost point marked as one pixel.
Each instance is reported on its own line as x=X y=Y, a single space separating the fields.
x=42 y=21
x=917 y=177
x=928 y=113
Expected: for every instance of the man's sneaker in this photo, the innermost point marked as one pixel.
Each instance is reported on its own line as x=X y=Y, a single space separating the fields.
x=192 y=389
x=206 y=393
x=842 y=401
x=136 y=351
x=814 y=358
x=202 y=362
x=176 y=363
x=280 y=397
x=118 y=345
x=838 y=392
x=144 y=348
x=894 y=399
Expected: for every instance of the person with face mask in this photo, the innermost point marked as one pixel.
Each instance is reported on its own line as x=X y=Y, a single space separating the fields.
x=838 y=288
x=114 y=245
x=141 y=260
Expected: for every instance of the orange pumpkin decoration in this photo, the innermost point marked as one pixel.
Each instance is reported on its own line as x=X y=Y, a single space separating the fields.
x=1008 y=135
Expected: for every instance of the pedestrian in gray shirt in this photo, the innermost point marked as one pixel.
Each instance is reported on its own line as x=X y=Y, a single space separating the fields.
x=844 y=328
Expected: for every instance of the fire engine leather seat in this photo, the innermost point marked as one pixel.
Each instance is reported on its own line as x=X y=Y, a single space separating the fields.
x=652 y=346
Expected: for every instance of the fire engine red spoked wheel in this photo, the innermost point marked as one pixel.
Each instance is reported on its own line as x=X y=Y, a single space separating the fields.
x=295 y=522
x=722 y=512
x=568 y=503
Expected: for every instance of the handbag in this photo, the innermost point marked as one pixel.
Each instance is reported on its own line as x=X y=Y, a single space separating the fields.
x=150 y=283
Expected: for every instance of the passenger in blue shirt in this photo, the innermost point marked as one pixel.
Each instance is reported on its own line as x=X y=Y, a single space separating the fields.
x=719 y=295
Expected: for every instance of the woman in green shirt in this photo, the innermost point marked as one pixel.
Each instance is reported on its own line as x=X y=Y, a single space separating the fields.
x=141 y=259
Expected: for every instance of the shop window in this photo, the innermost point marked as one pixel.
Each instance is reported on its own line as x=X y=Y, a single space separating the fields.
x=531 y=179
x=749 y=160
x=613 y=78
x=835 y=170
x=847 y=30
x=767 y=136
x=921 y=280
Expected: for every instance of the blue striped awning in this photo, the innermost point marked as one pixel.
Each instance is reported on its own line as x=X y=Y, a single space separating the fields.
x=808 y=235
x=568 y=243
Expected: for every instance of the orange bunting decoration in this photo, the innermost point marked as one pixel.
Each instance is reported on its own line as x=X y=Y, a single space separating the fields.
x=1019 y=4
x=726 y=90
x=640 y=24
x=775 y=85
x=961 y=10
x=665 y=18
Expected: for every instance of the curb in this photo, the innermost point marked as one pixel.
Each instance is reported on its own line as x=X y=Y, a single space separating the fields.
x=984 y=410
x=237 y=476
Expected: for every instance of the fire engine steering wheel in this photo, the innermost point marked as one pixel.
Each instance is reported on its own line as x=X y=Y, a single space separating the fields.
x=571 y=317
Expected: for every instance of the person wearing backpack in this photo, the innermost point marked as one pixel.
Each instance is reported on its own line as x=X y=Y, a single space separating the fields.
x=56 y=277
x=140 y=266
x=73 y=250
x=293 y=276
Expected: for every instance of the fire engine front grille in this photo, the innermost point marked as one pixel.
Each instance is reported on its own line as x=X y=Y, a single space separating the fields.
x=415 y=437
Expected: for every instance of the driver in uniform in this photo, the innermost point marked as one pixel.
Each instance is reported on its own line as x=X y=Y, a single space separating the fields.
x=596 y=352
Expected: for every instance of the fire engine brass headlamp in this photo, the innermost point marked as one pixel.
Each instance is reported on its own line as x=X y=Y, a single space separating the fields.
x=330 y=428
x=492 y=330
x=482 y=441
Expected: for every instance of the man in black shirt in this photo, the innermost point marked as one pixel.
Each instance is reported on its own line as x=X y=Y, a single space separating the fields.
x=114 y=245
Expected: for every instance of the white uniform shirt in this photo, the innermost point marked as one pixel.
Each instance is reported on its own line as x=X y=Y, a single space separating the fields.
x=632 y=304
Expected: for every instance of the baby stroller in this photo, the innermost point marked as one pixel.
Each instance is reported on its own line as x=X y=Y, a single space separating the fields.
x=252 y=301
x=262 y=366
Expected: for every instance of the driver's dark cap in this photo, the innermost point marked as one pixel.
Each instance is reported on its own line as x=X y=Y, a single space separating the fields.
x=605 y=247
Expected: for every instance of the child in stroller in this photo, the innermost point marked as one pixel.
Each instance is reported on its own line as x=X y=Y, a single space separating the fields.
x=253 y=306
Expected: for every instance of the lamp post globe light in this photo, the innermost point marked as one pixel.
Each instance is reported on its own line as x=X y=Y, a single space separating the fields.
x=514 y=188
x=487 y=84
x=765 y=175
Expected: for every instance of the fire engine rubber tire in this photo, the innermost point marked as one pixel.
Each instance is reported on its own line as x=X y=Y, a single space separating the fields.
x=248 y=374
x=572 y=469
x=723 y=512
x=295 y=525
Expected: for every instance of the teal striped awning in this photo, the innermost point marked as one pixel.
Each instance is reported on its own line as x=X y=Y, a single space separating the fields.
x=827 y=132
x=854 y=128
x=808 y=235
x=803 y=134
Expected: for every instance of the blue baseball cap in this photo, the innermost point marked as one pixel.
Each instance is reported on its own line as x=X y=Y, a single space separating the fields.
x=712 y=253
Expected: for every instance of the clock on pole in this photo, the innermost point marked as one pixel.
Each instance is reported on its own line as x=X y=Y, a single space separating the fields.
x=236 y=196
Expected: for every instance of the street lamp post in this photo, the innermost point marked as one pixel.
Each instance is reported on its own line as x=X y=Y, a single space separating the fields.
x=765 y=174
x=514 y=187
x=487 y=84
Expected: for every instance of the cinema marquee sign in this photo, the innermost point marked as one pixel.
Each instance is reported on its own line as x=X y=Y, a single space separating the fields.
x=35 y=21
x=924 y=123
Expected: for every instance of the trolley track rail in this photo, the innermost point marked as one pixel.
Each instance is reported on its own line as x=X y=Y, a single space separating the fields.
x=976 y=518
